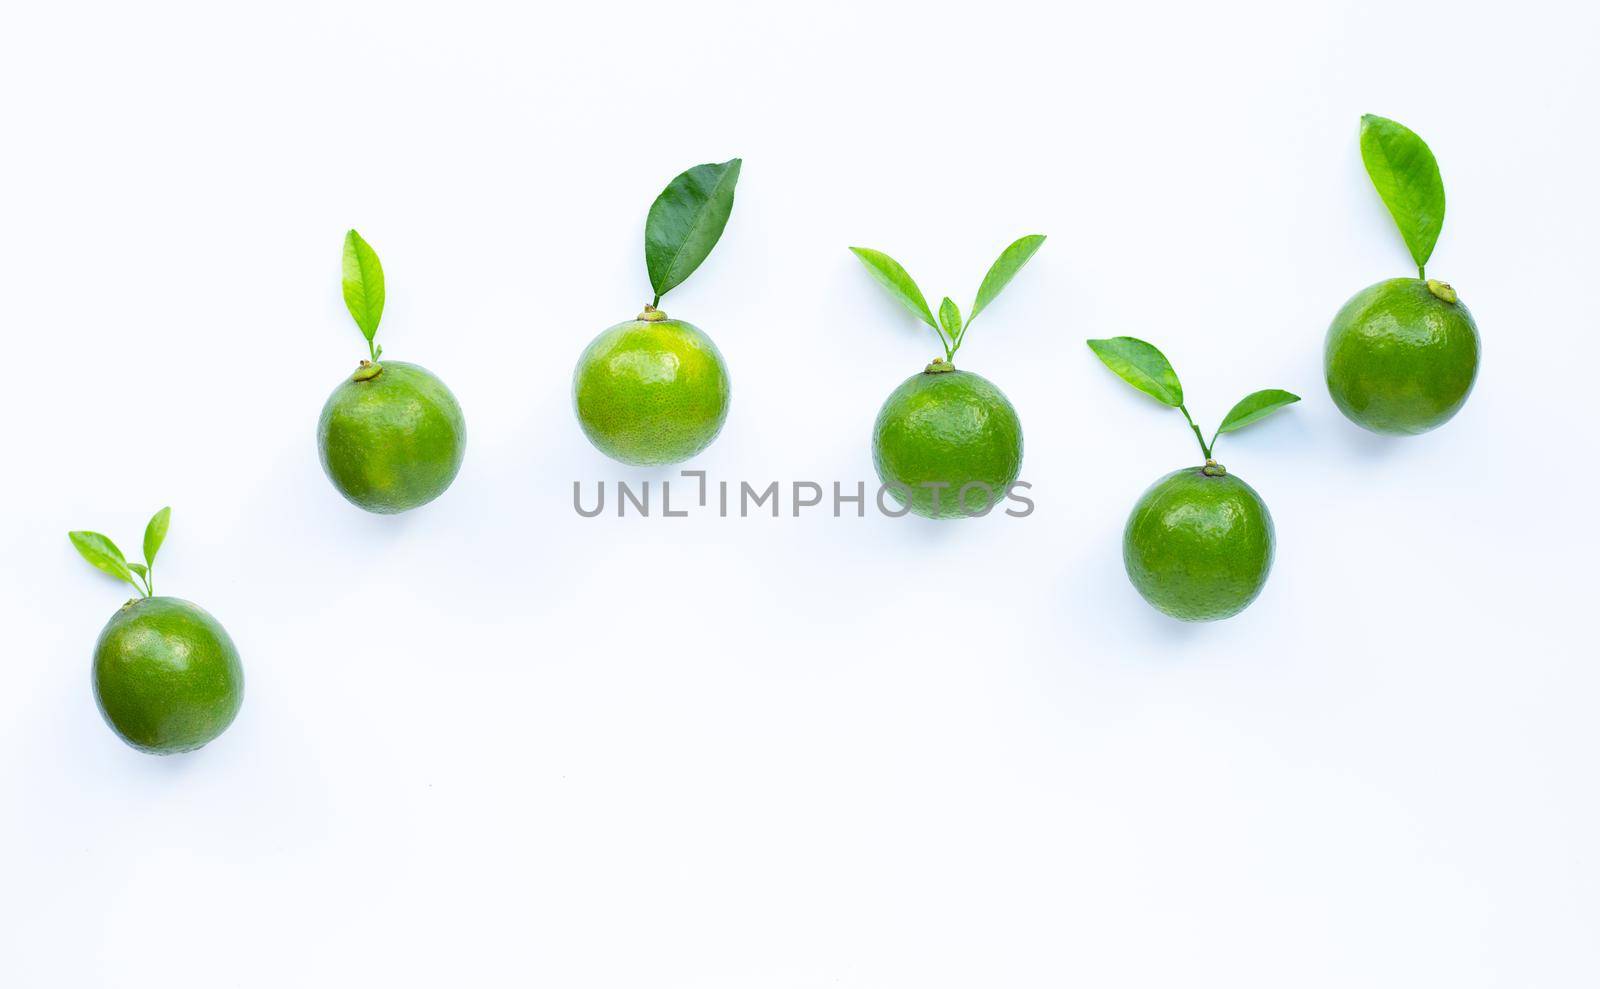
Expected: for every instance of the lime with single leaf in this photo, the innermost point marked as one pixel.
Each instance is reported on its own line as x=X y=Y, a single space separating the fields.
x=391 y=437
x=1401 y=356
x=655 y=390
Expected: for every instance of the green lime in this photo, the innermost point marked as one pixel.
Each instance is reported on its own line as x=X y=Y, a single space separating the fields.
x=1198 y=545
x=166 y=675
x=652 y=390
x=947 y=443
x=391 y=437
x=1401 y=356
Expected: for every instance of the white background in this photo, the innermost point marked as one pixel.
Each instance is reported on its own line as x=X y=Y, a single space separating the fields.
x=493 y=743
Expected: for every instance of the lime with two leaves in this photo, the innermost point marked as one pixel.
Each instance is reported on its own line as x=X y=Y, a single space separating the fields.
x=655 y=390
x=1401 y=356
x=166 y=676
x=1199 y=542
x=947 y=444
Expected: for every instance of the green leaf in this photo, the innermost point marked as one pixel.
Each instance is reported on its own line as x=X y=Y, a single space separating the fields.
x=686 y=221
x=950 y=318
x=102 y=554
x=139 y=568
x=1407 y=177
x=1004 y=269
x=155 y=534
x=893 y=277
x=1254 y=406
x=363 y=284
x=1142 y=366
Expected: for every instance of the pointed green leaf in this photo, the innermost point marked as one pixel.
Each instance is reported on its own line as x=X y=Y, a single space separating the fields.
x=950 y=318
x=139 y=568
x=1142 y=366
x=893 y=277
x=1004 y=269
x=363 y=284
x=155 y=534
x=1407 y=177
x=102 y=554
x=686 y=221
x=1254 y=406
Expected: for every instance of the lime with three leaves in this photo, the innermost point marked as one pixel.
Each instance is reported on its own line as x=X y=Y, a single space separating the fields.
x=947 y=444
x=166 y=676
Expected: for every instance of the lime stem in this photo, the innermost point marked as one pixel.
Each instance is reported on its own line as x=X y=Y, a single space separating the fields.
x=1199 y=437
x=960 y=336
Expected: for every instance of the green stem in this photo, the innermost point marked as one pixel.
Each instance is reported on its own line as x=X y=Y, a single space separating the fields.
x=1421 y=273
x=955 y=344
x=372 y=348
x=1199 y=438
x=656 y=302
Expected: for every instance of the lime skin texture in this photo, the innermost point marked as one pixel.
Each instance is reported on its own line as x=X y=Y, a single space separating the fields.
x=1400 y=359
x=166 y=676
x=950 y=427
x=651 y=392
x=392 y=441
x=1198 y=547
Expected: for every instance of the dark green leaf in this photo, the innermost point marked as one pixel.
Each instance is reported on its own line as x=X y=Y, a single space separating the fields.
x=900 y=284
x=950 y=318
x=686 y=221
x=1407 y=177
x=1142 y=366
x=363 y=284
x=1254 y=406
x=1004 y=269
x=102 y=554
x=155 y=534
